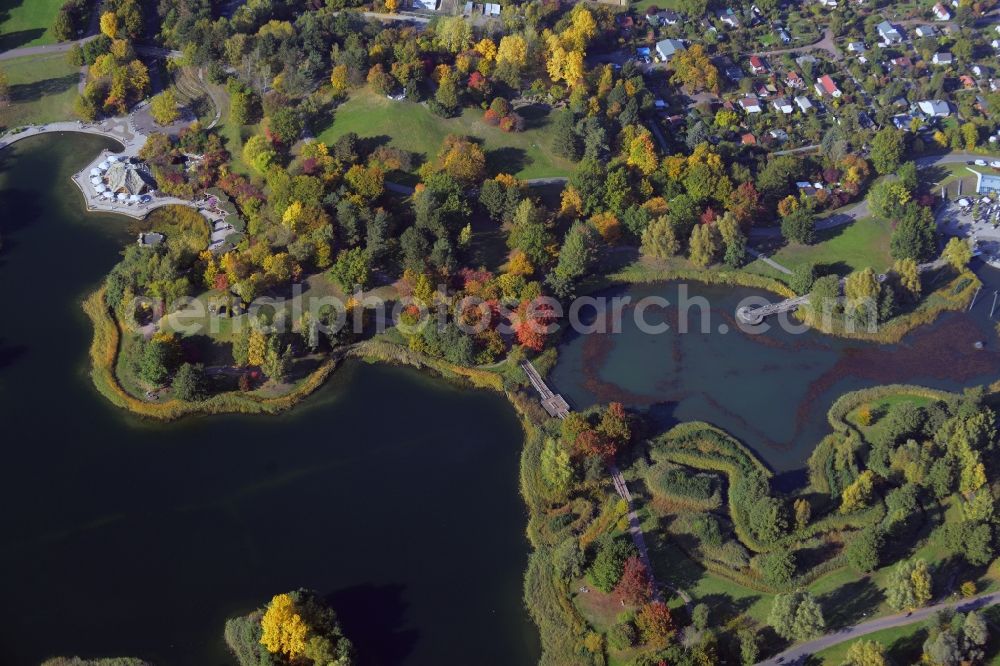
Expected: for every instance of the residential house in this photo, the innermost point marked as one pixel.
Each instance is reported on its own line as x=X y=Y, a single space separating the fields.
x=491 y=9
x=793 y=80
x=779 y=135
x=670 y=17
x=865 y=121
x=803 y=103
x=934 y=108
x=748 y=139
x=806 y=59
x=750 y=104
x=855 y=47
x=729 y=68
x=728 y=17
x=829 y=4
x=668 y=47
x=926 y=31
x=783 y=36
x=941 y=13
x=766 y=90
x=967 y=81
x=783 y=105
x=902 y=121
x=889 y=33
x=757 y=65
x=826 y=86
x=904 y=63
x=943 y=58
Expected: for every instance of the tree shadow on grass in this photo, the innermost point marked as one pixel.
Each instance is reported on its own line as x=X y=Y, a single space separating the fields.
x=506 y=160
x=535 y=115
x=838 y=268
x=13 y=40
x=849 y=603
x=31 y=92
x=373 y=618
x=725 y=608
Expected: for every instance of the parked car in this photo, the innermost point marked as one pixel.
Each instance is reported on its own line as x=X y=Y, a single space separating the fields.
x=980 y=162
x=995 y=164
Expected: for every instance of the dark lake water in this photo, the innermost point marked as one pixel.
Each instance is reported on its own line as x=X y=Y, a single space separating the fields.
x=770 y=390
x=393 y=493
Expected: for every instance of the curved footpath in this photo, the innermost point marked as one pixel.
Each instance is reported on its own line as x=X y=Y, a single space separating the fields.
x=798 y=653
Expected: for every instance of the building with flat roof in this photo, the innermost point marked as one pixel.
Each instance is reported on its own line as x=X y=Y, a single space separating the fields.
x=987 y=183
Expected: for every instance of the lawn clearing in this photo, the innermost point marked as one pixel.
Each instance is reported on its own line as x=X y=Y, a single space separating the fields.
x=27 y=22
x=411 y=126
x=843 y=249
x=42 y=90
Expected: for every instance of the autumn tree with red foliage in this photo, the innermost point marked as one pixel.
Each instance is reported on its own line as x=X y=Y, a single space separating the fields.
x=635 y=586
x=655 y=623
x=615 y=426
x=744 y=204
x=531 y=323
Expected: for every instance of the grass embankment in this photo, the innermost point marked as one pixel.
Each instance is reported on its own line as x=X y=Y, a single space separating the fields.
x=411 y=126
x=104 y=356
x=42 y=90
x=27 y=22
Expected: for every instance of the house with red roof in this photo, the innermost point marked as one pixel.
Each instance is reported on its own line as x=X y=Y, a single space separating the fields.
x=757 y=65
x=825 y=87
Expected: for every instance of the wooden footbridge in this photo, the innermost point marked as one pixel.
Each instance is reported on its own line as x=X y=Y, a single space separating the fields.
x=557 y=407
x=553 y=403
x=755 y=315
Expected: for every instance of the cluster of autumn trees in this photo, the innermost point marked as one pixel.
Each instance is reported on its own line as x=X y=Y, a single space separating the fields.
x=117 y=78
x=294 y=628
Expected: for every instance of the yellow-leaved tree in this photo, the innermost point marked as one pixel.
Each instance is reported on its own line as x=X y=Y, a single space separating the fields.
x=109 y=24
x=284 y=631
x=857 y=495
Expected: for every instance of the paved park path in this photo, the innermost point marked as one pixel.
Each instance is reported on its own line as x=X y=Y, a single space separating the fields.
x=798 y=653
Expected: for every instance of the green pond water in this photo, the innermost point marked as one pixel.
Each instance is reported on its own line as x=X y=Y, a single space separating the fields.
x=771 y=390
x=392 y=493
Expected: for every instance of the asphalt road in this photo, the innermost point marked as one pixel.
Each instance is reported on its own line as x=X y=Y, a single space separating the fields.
x=798 y=653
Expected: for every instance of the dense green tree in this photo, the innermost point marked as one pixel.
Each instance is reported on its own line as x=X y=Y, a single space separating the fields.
x=915 y=235
x=799 y=226
x=796 y=616
x=802 y=278
x=887 y=150
x=864 y=550
x=607 y=567
x=777 y=567
x=576 y=258
x=189 y=383
x=909 y=585
x=565 y=141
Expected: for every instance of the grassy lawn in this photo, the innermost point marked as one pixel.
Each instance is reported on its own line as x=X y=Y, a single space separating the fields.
x=42 y=90
x=27 y=22
x=842 y=249
x=411 y=126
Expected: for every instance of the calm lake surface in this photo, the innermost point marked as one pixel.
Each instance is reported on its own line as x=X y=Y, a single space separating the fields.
x=772 y=390
x=393 y=493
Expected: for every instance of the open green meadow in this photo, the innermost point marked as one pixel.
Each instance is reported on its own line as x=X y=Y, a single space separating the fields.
x=42 y=89
x=27 y=22
x=411 y=126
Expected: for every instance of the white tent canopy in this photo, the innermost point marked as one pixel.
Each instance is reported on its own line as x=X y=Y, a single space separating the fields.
x=122 y=197
x=103 y=166
x=107 y=195
x=100 y=187
x=95 y=180
x=112 y=158
x=95 y=172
